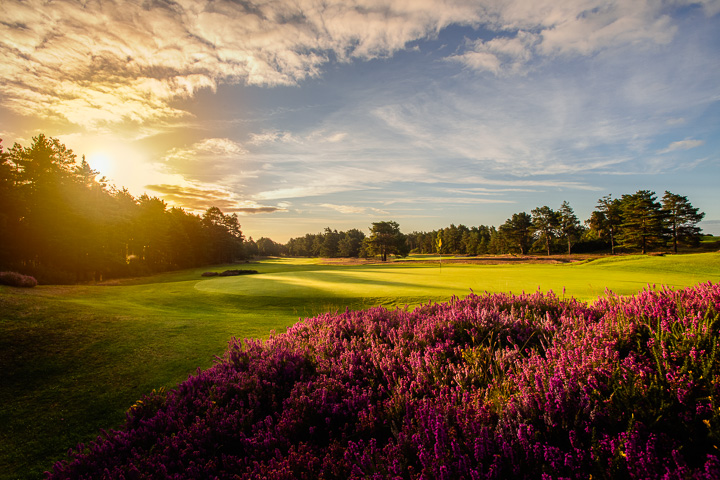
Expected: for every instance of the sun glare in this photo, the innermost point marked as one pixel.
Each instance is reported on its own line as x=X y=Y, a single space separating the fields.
x=102 y=162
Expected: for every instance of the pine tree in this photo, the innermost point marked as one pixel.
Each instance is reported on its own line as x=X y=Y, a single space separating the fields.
x=545 y=222
x=386 y=239
x=606 y=220
x=642 y=227
x=569 y=225
x=681 y=219
x=517 y=230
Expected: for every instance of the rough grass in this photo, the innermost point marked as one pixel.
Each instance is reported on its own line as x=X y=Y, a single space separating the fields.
x=74 y=358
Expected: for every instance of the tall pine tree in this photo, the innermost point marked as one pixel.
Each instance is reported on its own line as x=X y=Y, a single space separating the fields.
x=643 y=221
x=607 y=219
x=569 y=225
x=681 y=219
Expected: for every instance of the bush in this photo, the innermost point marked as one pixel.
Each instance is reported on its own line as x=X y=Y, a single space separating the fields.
x=232 y=273
x=490 y=386
x=15 y=279
x=229 y=273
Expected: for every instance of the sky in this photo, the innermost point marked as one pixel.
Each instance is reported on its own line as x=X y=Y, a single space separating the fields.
x=304 y=114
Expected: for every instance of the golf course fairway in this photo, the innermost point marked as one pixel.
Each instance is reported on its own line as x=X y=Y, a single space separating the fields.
x=75 y=358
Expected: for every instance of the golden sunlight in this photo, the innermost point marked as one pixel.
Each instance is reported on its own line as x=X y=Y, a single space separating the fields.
x=103 y=163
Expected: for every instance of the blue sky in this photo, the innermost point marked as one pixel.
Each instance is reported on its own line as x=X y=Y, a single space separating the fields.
x=301 y=115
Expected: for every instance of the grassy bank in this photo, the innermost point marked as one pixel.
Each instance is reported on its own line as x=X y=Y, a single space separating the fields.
x=75 y=358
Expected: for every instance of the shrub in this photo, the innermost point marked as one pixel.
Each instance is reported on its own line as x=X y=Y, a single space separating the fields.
x=490 y=386
x=15 y=279
x=229 y=273
x=232 y=273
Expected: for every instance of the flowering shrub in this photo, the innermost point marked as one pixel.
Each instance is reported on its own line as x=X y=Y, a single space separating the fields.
x=15 y=279
x=490 y=386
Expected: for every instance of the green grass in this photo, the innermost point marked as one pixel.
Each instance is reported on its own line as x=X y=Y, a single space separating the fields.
x=73 y=359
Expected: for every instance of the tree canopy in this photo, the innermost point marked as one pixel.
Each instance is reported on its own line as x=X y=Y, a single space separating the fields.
x=386 y=239
x=681 y=219
x=61 y=223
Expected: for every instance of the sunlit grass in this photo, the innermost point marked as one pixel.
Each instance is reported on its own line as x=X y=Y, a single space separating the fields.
x=74 y=358
x=587 y=280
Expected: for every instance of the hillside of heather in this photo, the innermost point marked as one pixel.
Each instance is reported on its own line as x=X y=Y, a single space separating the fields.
x=487 y=386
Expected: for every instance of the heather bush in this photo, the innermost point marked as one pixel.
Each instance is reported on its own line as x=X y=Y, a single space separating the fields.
x=489 y=386
x=15 y=279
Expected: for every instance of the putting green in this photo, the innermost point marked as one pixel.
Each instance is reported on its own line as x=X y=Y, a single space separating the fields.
x=586 y=280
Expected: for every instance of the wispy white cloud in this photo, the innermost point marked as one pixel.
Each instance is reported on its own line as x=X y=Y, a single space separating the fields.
x=344 y=208
x=336 y=137
x=686 y=144
x=100 y=63
x=431 y=201
x=354 y=209
x=273 y=136
x=501 y=55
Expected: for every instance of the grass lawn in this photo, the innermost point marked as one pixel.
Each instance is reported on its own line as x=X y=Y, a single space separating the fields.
x=74 y=358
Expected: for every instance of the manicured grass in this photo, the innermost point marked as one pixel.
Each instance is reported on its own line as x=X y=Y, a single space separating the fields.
x=73 y=359
x=409 y=284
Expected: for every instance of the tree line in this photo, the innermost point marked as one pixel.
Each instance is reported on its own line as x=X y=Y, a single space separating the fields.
x=61 y=224
x=635 y=222
x=385 y=239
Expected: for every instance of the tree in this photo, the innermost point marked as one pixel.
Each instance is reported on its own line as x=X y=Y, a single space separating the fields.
x=351 y=243
x=642 y=226
x=10 y=208
x=607 y=219
x=569 y=225
x=545 y=224
x=268 y=248
x=330 y=242
x=386 y=239
x=682 y=219
x=225 y=237
x=517 y=230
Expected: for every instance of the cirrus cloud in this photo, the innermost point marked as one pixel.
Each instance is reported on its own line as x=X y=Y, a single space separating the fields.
x=686 y=144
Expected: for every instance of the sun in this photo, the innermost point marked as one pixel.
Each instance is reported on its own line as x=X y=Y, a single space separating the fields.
x=102 y=162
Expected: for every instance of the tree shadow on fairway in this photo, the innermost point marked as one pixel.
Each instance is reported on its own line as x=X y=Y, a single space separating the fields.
x=310 y=284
